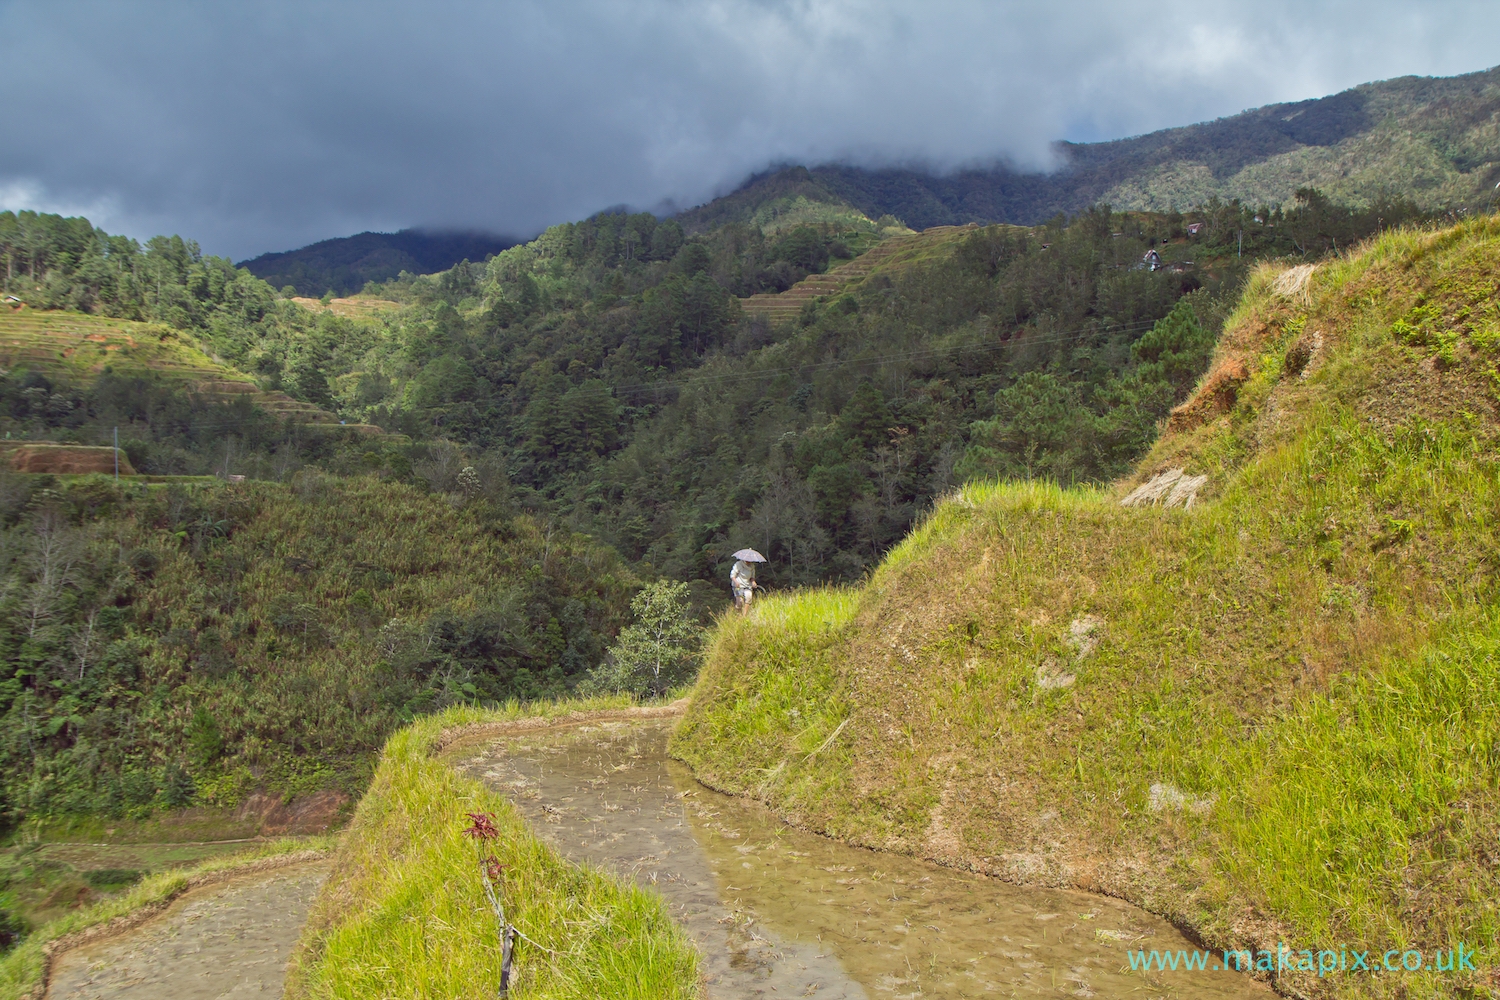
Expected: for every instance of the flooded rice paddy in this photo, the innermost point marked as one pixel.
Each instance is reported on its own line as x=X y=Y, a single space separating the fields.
x=219 y=942
x=778 y=912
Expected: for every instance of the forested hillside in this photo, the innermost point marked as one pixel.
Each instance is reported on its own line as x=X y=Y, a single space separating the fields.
x=615 y=374
x=614 y=370
x=192 y=643
x=610 y=395
x=155 y=356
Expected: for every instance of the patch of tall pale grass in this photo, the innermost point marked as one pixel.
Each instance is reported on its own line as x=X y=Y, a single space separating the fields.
x=807 y=612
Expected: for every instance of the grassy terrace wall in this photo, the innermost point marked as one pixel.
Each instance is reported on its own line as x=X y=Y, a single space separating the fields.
x=403 y=913
x=1273 y=716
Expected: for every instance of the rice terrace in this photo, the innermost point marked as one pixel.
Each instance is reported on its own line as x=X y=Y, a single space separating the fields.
x=919 y=556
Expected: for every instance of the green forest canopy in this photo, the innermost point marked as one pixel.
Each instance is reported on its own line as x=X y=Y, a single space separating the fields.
x=610 y=377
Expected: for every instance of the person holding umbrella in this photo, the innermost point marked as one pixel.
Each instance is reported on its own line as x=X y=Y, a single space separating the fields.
x=742 y=577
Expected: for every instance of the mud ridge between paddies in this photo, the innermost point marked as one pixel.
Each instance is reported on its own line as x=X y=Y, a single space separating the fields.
x=1253 y=688
x=488 y=729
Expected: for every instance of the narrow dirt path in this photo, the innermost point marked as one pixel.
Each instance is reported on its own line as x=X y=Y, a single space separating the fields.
x=226 y=941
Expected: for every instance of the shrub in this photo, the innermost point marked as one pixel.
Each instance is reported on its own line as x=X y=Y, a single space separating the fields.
x=659 y=651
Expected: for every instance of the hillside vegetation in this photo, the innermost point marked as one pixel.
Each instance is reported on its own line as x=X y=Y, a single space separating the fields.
x=189 y=644
x=143 y=366
x=777 y=369
x=1265 y=706
x=201 y=366
x=818 y=414
x=77 y=379
x=618 y=385
x=682 y=396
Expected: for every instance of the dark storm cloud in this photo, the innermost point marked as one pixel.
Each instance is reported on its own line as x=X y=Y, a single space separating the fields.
x=265 y=126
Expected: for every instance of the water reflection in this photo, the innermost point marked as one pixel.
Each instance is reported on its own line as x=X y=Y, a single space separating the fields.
x=779 y=912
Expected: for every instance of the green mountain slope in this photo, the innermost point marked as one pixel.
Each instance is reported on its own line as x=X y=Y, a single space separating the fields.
x=346 y=264
x=201 y=366
x=1435 y=141
x=1262 y=702
x=801 y=378
x=637 y=398
x=793 y=375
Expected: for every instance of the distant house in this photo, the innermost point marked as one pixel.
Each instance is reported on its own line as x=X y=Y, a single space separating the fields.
x=1194 y=228
x=1151 y=261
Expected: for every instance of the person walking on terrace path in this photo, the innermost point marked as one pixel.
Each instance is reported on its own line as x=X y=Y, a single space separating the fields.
x=742 y=578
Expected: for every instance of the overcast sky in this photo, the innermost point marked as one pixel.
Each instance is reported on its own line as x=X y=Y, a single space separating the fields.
x=256 y=126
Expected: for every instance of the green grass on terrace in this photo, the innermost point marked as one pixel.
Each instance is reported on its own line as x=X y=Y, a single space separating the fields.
x=1273 y=716
x=79 y=345
x=403 y=913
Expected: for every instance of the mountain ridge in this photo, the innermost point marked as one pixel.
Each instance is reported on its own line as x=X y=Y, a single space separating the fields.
x=1440 y=135
x=345 y=264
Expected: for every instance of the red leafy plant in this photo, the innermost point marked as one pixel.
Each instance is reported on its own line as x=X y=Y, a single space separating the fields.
x=482 y=828
x=492 y=871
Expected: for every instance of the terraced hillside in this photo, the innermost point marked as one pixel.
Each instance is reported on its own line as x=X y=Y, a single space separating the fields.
x=78 y=346
x=1253 y=686
x=353 y=307
x=893 y=251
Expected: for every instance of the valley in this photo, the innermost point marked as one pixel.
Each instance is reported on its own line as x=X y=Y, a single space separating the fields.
x=1129 y=584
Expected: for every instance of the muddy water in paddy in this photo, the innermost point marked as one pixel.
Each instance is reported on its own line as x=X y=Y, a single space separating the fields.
x=220 y=942
x=779 y=912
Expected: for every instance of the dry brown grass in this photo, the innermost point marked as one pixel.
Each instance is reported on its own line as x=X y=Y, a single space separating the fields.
x=67 y=459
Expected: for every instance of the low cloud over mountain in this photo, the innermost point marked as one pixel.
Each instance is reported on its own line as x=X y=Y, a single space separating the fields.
x=270 y=127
